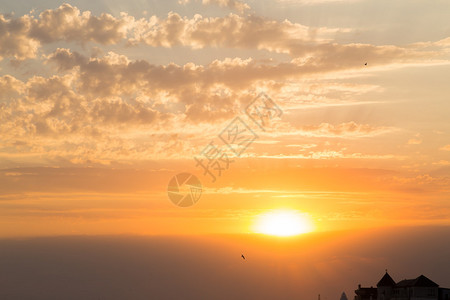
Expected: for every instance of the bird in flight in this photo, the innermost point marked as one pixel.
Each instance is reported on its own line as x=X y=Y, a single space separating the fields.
x=243 y=257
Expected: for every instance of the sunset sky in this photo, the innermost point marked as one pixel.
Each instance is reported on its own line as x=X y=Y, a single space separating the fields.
x=103 y=102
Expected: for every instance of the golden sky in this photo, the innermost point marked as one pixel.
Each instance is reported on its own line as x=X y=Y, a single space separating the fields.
x=103 y=102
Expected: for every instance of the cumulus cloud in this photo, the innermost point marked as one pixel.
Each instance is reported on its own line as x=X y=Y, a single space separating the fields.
x=97 y=101
x=70 y=24
x=10 y=87
x=115 y=74
x=14 y=39
x=65 y=59
x=118 y=111
x=311 y=46
x=21 y=37
x=106 y=97
x=252 y=32
x=52 y=107
x=202 y=93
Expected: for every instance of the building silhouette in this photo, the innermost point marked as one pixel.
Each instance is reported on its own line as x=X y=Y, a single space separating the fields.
x=420 y=288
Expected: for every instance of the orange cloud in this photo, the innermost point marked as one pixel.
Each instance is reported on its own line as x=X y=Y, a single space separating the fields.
x=23 y=36
x=14 y=39
x=69 y=24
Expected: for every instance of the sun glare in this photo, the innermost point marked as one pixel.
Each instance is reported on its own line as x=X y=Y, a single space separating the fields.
x=283 y=223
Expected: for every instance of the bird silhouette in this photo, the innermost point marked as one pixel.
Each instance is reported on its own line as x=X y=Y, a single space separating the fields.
x=243 y=257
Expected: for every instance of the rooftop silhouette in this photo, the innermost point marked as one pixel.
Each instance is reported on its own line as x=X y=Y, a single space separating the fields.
x=421 y=288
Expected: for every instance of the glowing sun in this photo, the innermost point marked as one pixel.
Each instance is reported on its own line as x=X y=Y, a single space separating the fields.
x=283 y=223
